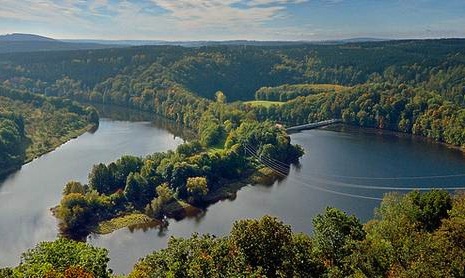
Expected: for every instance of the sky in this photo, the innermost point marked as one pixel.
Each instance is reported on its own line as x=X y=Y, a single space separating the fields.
x=233 y=19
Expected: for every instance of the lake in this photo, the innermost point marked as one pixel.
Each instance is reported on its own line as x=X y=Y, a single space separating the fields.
x=348 y=168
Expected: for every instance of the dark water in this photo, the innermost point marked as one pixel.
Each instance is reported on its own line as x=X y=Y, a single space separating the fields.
x=338 y=167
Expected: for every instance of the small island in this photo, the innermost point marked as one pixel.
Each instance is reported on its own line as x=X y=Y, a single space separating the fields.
x=232 y=151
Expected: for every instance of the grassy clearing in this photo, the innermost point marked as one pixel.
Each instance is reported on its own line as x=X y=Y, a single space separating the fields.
x=264 y=103
x=114 y=224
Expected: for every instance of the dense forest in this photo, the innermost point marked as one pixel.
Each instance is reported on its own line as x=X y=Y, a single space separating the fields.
x=31 y=125
x=414 y=87
x=412 y=235
x=395 y=107
x=397 y=85
x=12 y=139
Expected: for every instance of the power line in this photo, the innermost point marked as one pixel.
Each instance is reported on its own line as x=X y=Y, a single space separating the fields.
x=309 y=185
x=382 y=178
x=277 y=165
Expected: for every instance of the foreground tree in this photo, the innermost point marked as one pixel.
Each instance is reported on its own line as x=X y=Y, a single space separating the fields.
x=64 y=257
x=264 y=243
x=335 y=236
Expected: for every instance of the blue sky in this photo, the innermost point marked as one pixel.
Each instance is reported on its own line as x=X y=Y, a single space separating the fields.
x=234 y=19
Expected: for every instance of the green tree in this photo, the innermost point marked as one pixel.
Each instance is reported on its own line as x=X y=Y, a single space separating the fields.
x=335 y=234
x=302 y=258
x=134 y=190
x=60 y=255
x=122 y=168
x=75 y=213
x=164 y=196
x=197 y=186
x=6 y=272
x=221 y=103
x=101 y=179
x=451 y=239
x=264 y=243
x=196 y=257
x=433 y=207
x=92 y=115
x=74 y=187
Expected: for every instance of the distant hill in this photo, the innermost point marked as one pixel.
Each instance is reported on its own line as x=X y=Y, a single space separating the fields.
x=16 y=42
x=189 y=43
x=221 y=43
x=17 y=37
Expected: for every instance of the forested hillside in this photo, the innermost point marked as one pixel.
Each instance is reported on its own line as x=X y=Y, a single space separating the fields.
x=31 y=125
x=409 y=86
x=238 y=71
x=401 y=108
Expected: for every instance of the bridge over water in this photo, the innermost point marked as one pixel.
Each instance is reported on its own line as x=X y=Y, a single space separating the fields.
x=308 y=126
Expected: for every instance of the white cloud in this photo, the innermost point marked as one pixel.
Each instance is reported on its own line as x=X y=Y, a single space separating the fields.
x=245 y=18
x=180 y=19
x=274 y=2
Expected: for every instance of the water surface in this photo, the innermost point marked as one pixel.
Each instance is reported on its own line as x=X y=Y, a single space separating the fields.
x=338 y=166
x=337 y=162
x=27 y=195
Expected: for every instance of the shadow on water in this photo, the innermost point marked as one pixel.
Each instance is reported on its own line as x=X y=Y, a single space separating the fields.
x=119 y=113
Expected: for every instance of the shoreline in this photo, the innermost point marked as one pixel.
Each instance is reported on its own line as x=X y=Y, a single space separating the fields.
x=69 y=137
x=388 y=132
x=180 y=209
x=73 y=135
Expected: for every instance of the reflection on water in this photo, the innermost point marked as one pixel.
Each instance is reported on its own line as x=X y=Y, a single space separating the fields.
x=125 y=114
x=26 y=196
x=340 y=166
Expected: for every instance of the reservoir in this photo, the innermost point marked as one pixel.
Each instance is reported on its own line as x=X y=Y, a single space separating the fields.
x=344 y=167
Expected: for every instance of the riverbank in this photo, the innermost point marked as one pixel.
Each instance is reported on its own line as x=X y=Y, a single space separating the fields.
x=31 y=154
x=344 y=127
x=132 y=114
x=34 y=154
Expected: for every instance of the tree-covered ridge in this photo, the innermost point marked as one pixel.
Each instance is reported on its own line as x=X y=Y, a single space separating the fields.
x=401 y=108
x=195 y=174
x=31 y=125
x=409 y=82
x=238 y=71
x=412 y=235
